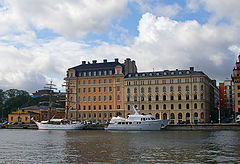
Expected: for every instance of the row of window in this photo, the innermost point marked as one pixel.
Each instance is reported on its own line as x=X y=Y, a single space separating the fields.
x=93 y=115
x=99 y=107
x=157 y=107
x=171 y=81
x=135 y=98
x=83 y=82
x=94 y=89
x=164 y=89
x=89 y=98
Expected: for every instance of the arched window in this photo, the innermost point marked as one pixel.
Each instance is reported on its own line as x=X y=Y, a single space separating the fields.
x=164 y=89
x=149 y=90
x=142 y=98
x=128 y=98
x=129 y=107
x=179 y=88
x=157 y=97
x=172 y=116
x=179 y=97
x=171 y=88
x=164 y=97
x=195 y=88
x=150 y=107
x=135 y=98
x=187 y=96
x=187 y=106
x=179 y=116
x=164 y=106
x=201 y=97
x=179 y=106
x=142 y=90
x=202 y=106
x=156 y=89
x=142 y=107
x=157 y=116
x=172 y=97
x=128 y=90
x=195 y=115
x=165 y=116
x=195 y=106
x=187 y=116
x=195 y=96
x=157 y=107
x=187 y=88
x=149 y=98
x=135 y=90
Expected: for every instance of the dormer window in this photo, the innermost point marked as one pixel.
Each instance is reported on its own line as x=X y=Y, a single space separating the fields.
x=157 y=74
x=89 y=73
x=110 y=72
x=188 y=72
x=150 y=74
x=105 y=73
x=84 y=73
x=99 y=73
x=172 y=73
x=143 y=74
x=129 y=75
x=136 y=75
x=165 y=73
x=180 y=73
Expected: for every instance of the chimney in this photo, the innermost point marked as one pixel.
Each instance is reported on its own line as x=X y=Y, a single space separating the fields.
x=191 y=68
x=94 y=61
x=104 y=60
x=83 y=62
x=116 y=60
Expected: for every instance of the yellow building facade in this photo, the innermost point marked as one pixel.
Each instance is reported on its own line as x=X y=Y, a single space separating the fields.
x=236 y=81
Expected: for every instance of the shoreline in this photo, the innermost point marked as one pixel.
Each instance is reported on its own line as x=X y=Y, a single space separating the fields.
x=188 y=127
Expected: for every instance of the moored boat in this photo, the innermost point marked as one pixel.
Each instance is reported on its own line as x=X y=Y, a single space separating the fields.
x=137 y=122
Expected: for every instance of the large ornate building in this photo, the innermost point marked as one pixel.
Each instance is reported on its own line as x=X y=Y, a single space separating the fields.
x=99 y=91
x=236 y=81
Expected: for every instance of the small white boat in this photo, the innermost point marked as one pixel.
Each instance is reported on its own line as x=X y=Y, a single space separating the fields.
x=59 y=124
x=137 y=122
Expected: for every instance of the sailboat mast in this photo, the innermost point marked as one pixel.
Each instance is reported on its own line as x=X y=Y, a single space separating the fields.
x=51 y=88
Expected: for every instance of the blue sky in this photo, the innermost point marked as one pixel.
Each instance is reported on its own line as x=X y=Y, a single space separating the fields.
x=40 y=40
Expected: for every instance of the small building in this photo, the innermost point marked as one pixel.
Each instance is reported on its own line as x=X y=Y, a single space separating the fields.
x=38 y=113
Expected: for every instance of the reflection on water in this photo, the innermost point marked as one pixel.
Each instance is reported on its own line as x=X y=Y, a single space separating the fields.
x=36 y=146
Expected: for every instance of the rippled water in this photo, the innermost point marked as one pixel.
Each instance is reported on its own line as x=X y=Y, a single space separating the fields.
x=36 y=146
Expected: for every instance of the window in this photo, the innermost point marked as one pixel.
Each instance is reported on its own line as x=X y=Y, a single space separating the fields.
x=142 y=107
x=84 y=82
x=157 y=107
x=89 y=81
x=94 y=107
x=149 y=98
x=142 y=90
x=105 y=81
x=149 y=90
x=129 y=107
x=135 y=90
x=164 y=89
x=179 y=97
x=142 y=98
x=171 y=88
x=110 y=89
x=164 y=97
x=172 y=106
x=187 y=96
x=84 y=99
x=110 y=107
x=110 y=98
x=172 y=97
x=156 y=89
x=84 y=90
x=164 y=106
x=94 y=89
x=179 y=106
x=99 y=81
x=135 y=98
x=99 y=89
x=110 y=80
x=201 y=96
x=202 y=88
x=118 y=106
x=187 y=106
x=187 y=88
x=157 y=97
x=105 y=107
x=105 y=89
x=118 y=89
x=195 y=106
x=128 y=90
x=105 y=98
x=89 y=90
x=99 y=107
x=179 y=88
x=118 y=97
x=128 y=98
x=79 y=90
x=150 y=107
x=89 y=98
x=195 y=88
x=79 y=99
x=195 y=96
x=202 y=106
x=99 y=98
x=89 y=108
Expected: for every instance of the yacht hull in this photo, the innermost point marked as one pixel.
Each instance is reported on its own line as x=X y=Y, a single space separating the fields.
x=59 y=127
x=153 y=125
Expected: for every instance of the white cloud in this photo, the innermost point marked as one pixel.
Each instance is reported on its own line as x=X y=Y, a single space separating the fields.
x=158 y=9
x=72 y=18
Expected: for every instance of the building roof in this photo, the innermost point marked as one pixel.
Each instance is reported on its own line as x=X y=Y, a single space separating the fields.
x=39 y=107
x=24 y=113
x=164 y=73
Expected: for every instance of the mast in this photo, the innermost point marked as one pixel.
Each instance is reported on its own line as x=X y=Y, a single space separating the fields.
x=51 y=87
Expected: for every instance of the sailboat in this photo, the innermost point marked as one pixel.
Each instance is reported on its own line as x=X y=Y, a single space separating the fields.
x=58 y=124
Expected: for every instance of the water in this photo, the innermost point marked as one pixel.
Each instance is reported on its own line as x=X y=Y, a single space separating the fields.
x=36 y=146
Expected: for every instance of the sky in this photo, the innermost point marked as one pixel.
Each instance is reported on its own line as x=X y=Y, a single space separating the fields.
x=41 y=39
